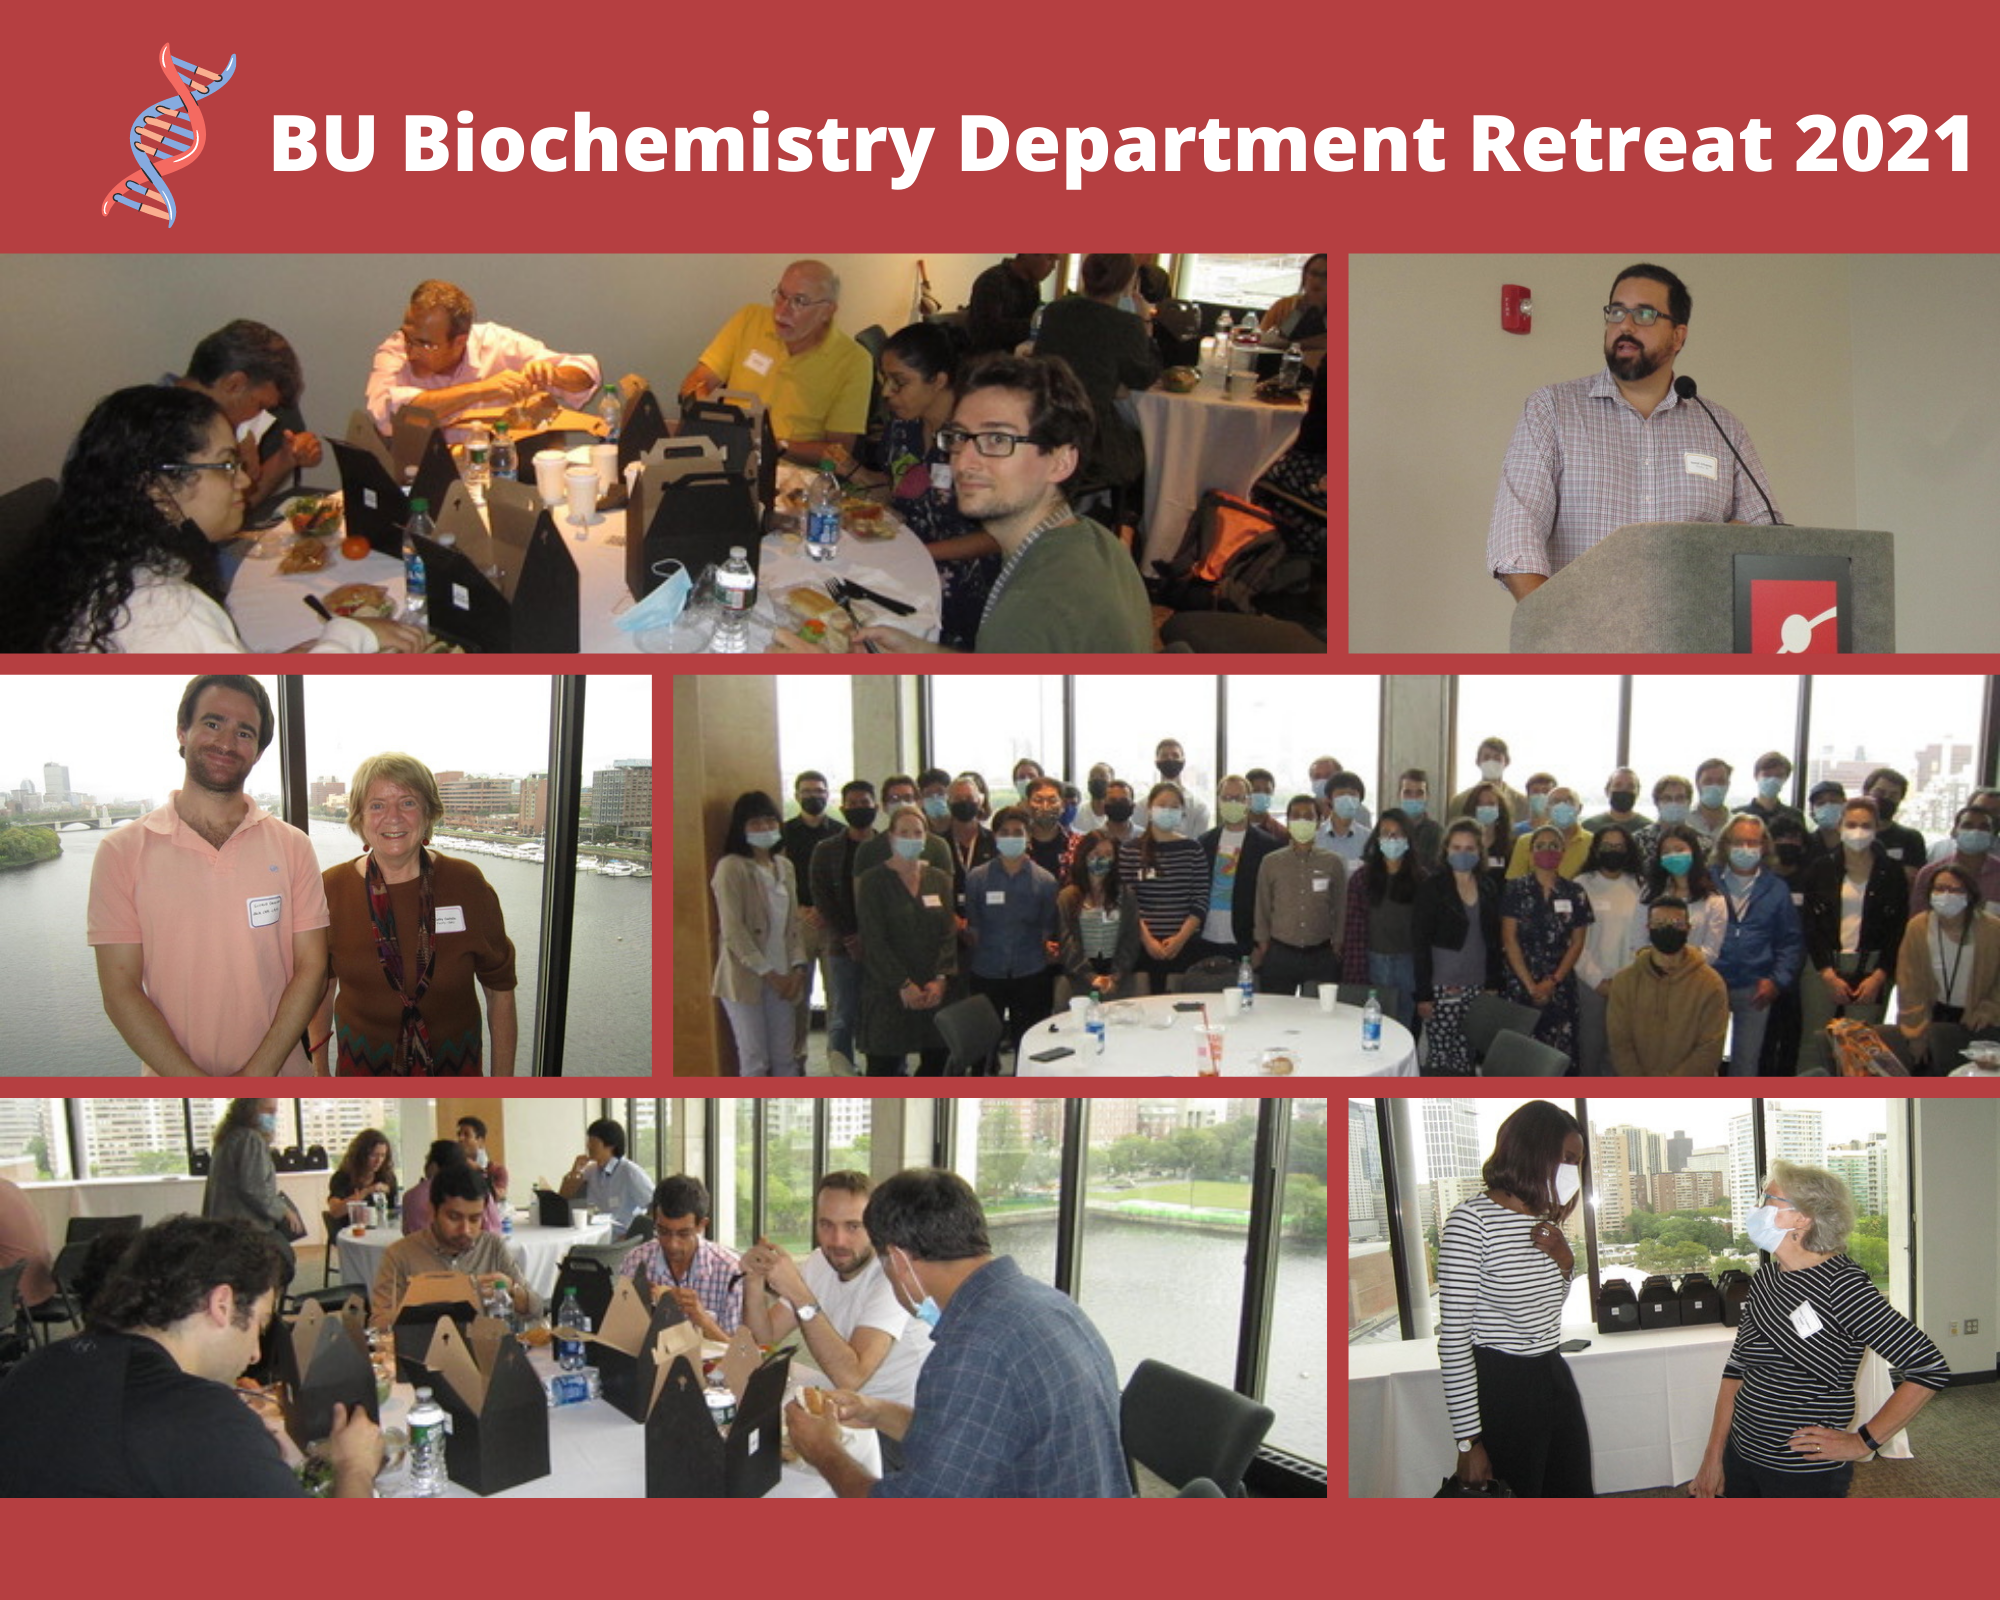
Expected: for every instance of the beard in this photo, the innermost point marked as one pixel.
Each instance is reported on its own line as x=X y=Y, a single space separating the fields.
x=854 y=1268
x=1635 y=365
x=198 y=776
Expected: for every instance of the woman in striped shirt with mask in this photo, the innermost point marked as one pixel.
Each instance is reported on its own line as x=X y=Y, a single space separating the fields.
x=1504 y=1270
x=1787 y=1400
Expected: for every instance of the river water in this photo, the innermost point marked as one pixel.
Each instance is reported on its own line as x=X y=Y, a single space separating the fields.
x=52 y=1020
x=1176 y=1295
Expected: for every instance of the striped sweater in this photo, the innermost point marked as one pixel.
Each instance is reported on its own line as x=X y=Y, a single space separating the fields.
x=1496 y=1288
x=1794 y=1380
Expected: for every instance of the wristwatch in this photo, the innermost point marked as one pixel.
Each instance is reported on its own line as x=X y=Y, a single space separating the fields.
x=806 y=1313
x=1466 y=1444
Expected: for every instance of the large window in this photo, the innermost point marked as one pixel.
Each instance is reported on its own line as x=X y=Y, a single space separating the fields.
x=816 y=731
x=1123 y=719
x=1238 y=280
x=488 y=740
x=1010 y=1151
x=34 y=1146
x=985 y=725
x=1927 y=728
x=1565 y=726
x=1295 y=1374
x=1284 y=724
x=1678 y=722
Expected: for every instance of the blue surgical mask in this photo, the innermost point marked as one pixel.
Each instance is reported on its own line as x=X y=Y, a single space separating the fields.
x=1097 y=866
x=1127 y=303
x=936 y=807
x=1167 y=818
x=1394 y=848
x=1676 y=864
x=1319 y=786
x=1013 y=847
x=1414 y=808
x=1486 y=816
x=1745 y=858
x=1673 y=811
x=1462 y=860
x=1975 y=841
x=764 y=839
x=1259 y=803
x=268 y=1121
x=1767 y=788
x=1563 y=814
x=1828 y=815
x=928 y=1311
x=1346 y=807
x=908 y=849
x=1713 y=794
x=1762 y=1226
x=1538 y=804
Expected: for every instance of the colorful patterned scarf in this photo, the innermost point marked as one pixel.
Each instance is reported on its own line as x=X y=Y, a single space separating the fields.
x=413 y=1042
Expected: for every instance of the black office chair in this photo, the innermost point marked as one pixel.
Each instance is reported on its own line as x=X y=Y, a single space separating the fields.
x=1180 y=1428
x=640 y=1227
x=872 y=338
x=612 y=1256
x=334 y=1225
x=1518 y=1055
x=1238 y=633
x=1209 y=975
x=332 y=1297
x=971 y=1031
x=64 y=1305
x=1490 y=1015
x=84 y=1229
x=1200 y=1489
x=16 y=1336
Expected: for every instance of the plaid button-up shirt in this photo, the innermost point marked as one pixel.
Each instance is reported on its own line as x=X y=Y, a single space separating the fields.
x=715 y=1276
x=1583 y=462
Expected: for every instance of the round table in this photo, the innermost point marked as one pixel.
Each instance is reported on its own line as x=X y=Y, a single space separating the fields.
x=596 y=1452
x=541 y=1251
x=1205 y=439
x=1158 y=1041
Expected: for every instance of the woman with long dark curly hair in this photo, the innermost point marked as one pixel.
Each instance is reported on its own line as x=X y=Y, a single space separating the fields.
x=126 y=560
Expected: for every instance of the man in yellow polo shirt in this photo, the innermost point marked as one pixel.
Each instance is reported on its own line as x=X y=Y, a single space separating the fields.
x=813 y=378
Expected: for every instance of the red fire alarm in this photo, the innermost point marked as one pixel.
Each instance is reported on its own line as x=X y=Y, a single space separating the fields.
x=1517 y=309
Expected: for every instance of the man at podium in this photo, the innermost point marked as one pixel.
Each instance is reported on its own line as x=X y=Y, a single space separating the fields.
x=1621 y=446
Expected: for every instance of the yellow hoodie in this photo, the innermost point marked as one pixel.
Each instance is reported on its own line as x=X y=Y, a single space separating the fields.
x=1668 y=1020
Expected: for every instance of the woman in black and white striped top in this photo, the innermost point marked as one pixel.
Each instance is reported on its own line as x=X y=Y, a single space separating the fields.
x=1504 y=1271
x=1788 y=1390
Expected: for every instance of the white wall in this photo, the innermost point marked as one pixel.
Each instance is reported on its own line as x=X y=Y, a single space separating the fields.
x=1958 y=1228
x=85 y=325
x=543 y=1138
x=1841 y=367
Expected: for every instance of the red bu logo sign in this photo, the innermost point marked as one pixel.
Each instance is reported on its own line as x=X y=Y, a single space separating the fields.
x=1794 y=617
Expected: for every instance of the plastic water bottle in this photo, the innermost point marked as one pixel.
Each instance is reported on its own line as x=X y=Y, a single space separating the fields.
x=736 y=587
x=506 y=1222
x=570 y=1321
x=1246 y=982
x=1290 y=368
x=1224 y=324
x=427 y=1431
x=823 y=515
x=1093 y=1025
x=498 y=1303
x=1035 y=324
x=612 y=410
x=573 y=1388
x=417 y=605
x=1371 y=1024
x=478 y=464
x=501 y=460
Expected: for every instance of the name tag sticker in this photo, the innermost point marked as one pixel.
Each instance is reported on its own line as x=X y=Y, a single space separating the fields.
x=1798 y=899
x=264 y=909
x=1562 y=908
x=451 y=919
x=1805 y=1319
x=941 y=479
x=996 y=897
x=933 y=902
x=1698 y=465
x=1896 y=854
x=1321 y=885
x=760 y=363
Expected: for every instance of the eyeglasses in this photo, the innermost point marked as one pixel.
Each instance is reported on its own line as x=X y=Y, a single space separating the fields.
x=1645 y=316
x=987 y=444
x=798 y=302
x=412 y=342
x=233 y=465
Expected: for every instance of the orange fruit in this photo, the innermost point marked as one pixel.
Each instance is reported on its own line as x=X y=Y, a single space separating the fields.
x=355 y=547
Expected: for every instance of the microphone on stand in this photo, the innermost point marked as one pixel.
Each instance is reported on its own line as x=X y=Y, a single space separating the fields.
x=1684 y=387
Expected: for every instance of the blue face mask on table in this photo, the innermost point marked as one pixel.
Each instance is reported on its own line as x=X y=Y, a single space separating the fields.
x=663 y=607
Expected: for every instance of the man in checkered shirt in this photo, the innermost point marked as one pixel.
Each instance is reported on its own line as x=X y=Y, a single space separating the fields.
x=1019 y=1397
x=1618 y=447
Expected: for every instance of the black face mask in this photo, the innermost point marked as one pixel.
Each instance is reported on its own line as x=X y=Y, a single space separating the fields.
x=1623 y=800
x=1097 y=786
x=1118 y=810
x=1615 y=860
x=859 y=817
x=1790 y=855
x=964 y=810
x=1669 y=941
x=813 y=804
x=1170 y=769
x=1886 y=807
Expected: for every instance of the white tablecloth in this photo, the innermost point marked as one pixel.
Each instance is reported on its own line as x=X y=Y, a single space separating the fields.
x=1160 y=1040
x=541 y=1251
x=596 y=1452
x=1201 y=441
x=271 y=613
x=1648 y=1397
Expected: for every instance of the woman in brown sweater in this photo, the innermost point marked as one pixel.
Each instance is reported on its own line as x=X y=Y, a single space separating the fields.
x=414 y=936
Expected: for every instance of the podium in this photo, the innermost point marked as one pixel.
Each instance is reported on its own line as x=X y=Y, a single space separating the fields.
x=1681 y=588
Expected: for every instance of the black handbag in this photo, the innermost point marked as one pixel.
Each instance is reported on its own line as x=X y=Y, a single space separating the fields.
x=1491 y=1489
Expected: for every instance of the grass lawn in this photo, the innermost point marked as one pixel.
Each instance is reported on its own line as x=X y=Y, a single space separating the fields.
x=1174 y=1191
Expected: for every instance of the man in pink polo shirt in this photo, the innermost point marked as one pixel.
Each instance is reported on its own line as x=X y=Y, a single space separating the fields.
x=208 y=915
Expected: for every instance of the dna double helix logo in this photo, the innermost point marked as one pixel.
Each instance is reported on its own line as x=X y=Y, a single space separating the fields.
x=167 y=136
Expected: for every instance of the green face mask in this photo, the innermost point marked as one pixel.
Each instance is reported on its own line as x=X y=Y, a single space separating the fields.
x=1233 y=811
x=1302 y=829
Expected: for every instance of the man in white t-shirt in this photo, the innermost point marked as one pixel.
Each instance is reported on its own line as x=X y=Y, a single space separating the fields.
x=855 y=1330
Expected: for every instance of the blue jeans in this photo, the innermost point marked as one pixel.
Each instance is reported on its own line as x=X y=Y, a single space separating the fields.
x=843 y=996
x=1398 y=973
x=1747 y=1022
